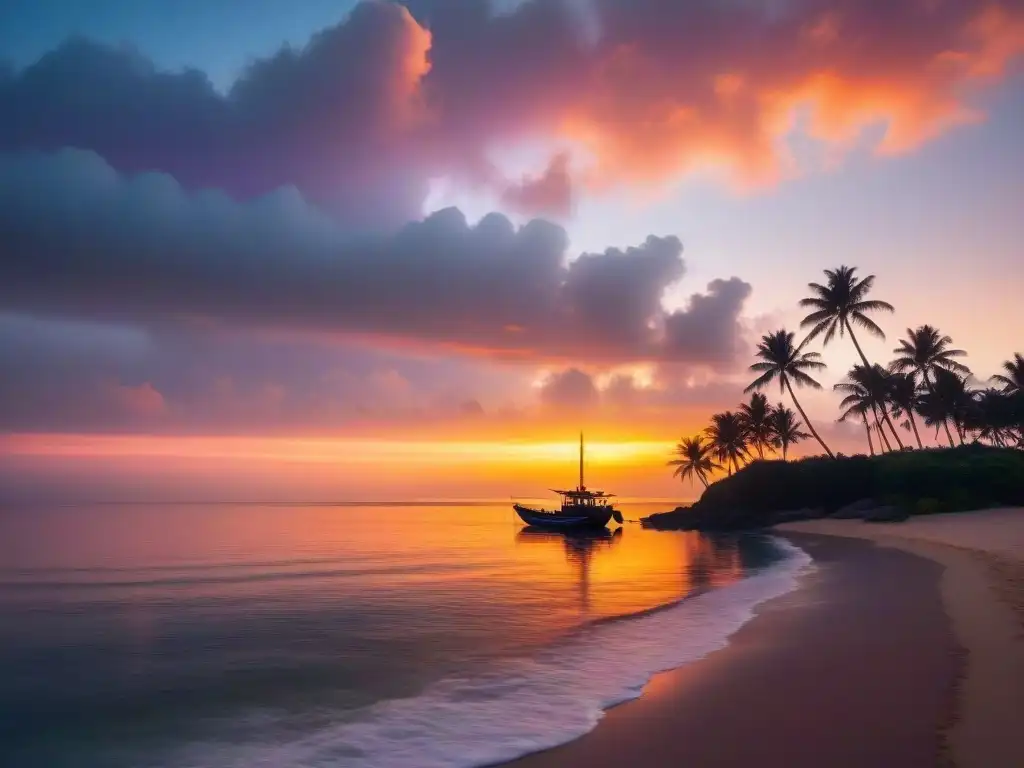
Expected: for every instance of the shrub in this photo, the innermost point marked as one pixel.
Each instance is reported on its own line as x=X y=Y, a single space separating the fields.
x=918 y=482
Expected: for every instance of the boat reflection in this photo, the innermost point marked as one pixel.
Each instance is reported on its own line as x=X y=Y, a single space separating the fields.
x=579 y=548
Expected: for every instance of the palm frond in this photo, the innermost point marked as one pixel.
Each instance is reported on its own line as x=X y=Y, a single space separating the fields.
x=762 y=381
x=872 y=306
x=804 y=380
x=867 y=324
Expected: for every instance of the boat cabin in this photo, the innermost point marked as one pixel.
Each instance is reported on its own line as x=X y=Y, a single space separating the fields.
x=581 y=497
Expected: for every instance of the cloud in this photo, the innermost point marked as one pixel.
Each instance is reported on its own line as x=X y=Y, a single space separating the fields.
x=707 y=330
x=338 y=119
x=571 y=388
x=79 y=240
x=361 y=118
x=63 y=375
x=550 y=193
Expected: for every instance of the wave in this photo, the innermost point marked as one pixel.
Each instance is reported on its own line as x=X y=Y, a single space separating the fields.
x=525 y=705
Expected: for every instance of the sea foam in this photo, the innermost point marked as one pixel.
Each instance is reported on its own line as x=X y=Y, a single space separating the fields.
x=526 y=705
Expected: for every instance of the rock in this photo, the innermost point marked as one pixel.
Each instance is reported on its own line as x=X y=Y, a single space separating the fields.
x=886 y=515
x=794 y=515
x=855 y=511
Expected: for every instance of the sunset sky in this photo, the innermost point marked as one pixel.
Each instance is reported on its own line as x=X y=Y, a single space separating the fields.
x=338 y=250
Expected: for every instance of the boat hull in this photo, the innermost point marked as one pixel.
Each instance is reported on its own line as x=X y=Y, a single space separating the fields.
x=564 y=520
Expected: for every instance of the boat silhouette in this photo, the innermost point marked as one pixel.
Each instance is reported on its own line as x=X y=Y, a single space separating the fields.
x=581 y=509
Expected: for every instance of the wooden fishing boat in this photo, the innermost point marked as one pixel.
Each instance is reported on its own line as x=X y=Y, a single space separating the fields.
x=581 y=508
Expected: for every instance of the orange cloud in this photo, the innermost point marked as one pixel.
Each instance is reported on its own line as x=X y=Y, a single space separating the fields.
x=666 y=91
x=652 y=114
x=364 y=117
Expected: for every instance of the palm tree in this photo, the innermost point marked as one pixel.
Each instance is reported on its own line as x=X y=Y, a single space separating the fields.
x=948 y=400
x=1013 y=382
x=786 y=428
x=871 y=383
x=694 y=460
x=780 y=359
x=993 y=416
x=859 y=401
x=859 y=410
x=840 y=304
x=903 y=399
x=925 y=351
x=755 y=421
x=728 y=439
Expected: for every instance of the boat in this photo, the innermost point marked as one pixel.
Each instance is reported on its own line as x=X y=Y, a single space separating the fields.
x=581 y=509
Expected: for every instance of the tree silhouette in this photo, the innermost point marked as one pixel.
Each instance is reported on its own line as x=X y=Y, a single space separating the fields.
x=694 y=460
x=728 y=439
x=924 y=352
x=993 y=416
x=839 y=305
x=786 y=428
x=754 y=416
x=1013 y=381
x=860 y=401
x=780 y=359
x=903 y=399
x=949 y=400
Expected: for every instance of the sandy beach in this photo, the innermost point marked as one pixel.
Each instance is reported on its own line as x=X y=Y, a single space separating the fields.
x=900 y=648
x=983 y=594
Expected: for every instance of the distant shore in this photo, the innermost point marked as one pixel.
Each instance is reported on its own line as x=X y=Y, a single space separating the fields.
x=897 y=650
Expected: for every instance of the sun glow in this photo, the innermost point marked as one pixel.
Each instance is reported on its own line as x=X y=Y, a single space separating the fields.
x=325 y=450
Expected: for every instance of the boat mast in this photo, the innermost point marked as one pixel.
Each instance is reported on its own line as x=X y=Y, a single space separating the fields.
x=581 y=462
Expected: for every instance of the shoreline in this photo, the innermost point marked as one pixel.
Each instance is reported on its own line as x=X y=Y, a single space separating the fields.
x=802 y=682
x=982 y=589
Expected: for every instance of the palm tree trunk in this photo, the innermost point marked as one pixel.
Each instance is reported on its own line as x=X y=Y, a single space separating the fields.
x=885 y=413
x=789 y=388
x=864 y=359
x=785 y=450
x=881 y=432
x=871 y=444
x=860 y=351
x=931 y=389
x=913 y=423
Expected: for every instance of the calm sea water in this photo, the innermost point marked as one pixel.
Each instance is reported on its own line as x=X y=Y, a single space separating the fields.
x=389 y=636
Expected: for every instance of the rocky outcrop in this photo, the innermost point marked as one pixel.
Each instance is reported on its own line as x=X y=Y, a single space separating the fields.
x=855 y=511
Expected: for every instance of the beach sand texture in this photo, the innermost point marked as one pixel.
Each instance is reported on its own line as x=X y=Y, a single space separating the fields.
x=903 y=647
x=983 y=593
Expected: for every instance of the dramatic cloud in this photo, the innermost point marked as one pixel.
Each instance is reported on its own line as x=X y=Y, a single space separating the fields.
x=79 y=240
x=339 y=119
x=364 y=116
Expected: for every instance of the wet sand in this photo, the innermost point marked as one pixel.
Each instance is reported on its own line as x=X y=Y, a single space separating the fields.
x=983 y=593
x=855 y=669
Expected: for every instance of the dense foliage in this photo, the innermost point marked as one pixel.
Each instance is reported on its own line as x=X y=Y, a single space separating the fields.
x=914 y=482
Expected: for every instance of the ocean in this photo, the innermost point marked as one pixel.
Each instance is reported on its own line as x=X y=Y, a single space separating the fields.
x=356 y=635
